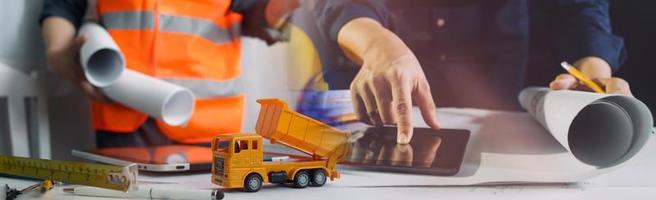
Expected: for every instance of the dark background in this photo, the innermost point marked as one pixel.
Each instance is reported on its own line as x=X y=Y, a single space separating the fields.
x=635 y=20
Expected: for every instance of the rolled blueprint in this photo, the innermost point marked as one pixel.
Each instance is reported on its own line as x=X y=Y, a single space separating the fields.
x=599 y=130
x=101 y=59
x=171 y=103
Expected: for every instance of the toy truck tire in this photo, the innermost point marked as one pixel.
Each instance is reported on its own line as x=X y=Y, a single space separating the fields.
x=318 y=178
x=252 y=183
x=302 y=179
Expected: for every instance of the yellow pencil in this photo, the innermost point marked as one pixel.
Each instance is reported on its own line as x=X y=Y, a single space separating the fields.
x=582 y=77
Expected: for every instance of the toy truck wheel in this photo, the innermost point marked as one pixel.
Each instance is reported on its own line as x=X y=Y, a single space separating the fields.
x=252 y=183
x=318 y=178
x=302 y=179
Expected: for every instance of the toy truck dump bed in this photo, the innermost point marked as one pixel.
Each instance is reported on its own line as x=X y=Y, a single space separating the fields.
x=280 y=124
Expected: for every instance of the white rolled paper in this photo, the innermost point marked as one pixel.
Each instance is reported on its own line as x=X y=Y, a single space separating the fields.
x=104 y=67
x=599 y=130
x=100 y=57
x=171 y=103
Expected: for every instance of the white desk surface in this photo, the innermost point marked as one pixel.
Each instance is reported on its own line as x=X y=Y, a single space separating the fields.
x=641 y=185
x=635 y=180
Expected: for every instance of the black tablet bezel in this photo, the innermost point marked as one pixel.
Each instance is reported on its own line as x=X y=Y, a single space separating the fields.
x=454 y=142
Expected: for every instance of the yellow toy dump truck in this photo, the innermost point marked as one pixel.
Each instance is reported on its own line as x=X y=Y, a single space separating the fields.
x=238 y=160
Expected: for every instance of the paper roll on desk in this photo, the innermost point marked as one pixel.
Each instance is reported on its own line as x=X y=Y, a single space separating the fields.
x=104 y=67
x=100 y=57
x=599 y=130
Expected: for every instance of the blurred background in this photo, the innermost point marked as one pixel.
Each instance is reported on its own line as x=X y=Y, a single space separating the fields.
x=50 y=117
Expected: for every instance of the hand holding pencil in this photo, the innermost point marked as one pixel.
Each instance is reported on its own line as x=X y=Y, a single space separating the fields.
x=590 y=74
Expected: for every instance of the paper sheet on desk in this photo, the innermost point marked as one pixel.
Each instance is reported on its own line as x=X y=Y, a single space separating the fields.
x=512 y=147
x=599 y=130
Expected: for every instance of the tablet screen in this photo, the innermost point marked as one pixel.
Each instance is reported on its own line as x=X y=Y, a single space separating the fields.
x=430 y=151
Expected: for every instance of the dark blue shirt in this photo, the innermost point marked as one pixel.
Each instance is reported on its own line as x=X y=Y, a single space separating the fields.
x=475 y=53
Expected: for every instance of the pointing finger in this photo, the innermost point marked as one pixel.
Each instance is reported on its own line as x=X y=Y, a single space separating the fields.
x=402 y=105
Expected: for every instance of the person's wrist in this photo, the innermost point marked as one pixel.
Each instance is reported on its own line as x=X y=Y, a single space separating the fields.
x=386 y=50
x=53 y=57
x=56 y=54
x=53 y=53
x=60 y=64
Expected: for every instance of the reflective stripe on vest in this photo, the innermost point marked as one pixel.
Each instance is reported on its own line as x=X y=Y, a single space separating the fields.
x=128 y=20
x=138 y=20
x=201 y=28
x=209 y=89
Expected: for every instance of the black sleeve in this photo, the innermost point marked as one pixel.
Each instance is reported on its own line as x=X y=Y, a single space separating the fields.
x=582 y=28
x=332 y=15
x=71 y=10
x=254 y=22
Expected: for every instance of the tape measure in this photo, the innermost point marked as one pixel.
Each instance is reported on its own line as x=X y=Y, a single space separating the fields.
x=122 y=178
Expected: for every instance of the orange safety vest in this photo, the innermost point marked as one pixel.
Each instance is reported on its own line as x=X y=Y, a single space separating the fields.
x=195 y=44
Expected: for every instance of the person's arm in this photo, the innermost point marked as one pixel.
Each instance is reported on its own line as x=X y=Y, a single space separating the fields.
x=584 y=36
x=264 y=18
x=59 y=20
x=278 y=11
x=390 y=77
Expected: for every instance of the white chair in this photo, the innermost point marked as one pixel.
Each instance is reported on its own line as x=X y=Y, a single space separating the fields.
x=24 y=125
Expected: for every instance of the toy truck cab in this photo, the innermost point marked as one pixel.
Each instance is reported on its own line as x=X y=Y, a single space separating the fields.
x=235 y=156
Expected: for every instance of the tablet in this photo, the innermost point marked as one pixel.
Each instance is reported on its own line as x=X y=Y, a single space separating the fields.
x=166 y=158
x=436 y=152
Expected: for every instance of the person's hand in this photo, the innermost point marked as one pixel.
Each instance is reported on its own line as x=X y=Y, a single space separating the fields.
x=389 y=80
x=66 y=64
x=598 y=71
x=383 y=92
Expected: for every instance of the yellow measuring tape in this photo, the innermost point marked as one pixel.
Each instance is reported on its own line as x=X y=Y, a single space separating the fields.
x=122 y=178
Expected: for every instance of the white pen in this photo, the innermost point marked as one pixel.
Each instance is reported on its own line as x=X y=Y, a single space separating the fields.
x=148 y=193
